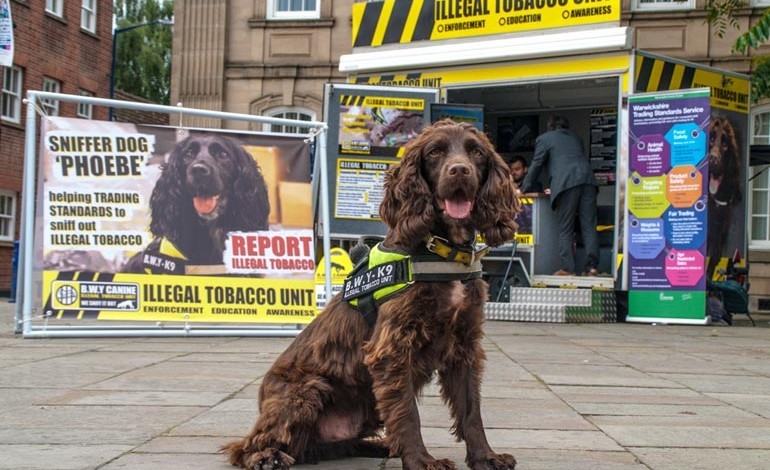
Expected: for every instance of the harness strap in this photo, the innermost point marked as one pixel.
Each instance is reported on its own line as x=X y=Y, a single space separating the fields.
x=443 y=271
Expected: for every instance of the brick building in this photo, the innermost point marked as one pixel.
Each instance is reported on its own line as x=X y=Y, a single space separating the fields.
x=60 y=46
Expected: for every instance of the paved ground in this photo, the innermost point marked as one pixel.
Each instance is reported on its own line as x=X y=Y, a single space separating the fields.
x=560 y=397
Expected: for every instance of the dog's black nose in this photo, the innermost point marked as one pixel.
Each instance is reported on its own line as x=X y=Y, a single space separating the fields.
x=200 y=169
x=459 y=169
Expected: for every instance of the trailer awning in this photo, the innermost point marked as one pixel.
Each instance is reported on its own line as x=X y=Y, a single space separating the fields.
x=481 y=50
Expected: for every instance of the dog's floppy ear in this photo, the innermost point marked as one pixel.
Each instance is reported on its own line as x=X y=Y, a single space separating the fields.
x=250 y=206
x=407 y=205
x=166 y=203
x=496 y=205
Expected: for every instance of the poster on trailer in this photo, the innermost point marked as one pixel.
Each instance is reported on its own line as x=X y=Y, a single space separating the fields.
x=378 y=125
x=667 y=195
x=141 y=223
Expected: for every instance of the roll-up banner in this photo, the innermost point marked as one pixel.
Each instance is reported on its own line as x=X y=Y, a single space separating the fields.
x=140 y=223
x=668 y=205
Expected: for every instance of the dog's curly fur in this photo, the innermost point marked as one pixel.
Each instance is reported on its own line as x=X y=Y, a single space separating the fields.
x=725 y=188
x=213 y=173
x=340 y=382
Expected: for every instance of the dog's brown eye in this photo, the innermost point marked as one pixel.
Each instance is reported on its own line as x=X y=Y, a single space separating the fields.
x=435 y=153
x=476 y=153
x=219 y=152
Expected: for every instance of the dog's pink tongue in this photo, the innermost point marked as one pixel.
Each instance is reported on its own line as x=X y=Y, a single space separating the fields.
x=204 y=205
x=458 y=208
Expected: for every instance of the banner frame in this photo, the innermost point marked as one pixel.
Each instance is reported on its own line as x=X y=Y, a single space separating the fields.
x=24 y=314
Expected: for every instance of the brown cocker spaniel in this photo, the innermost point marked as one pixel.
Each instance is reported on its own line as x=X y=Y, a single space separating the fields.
x=341 y=382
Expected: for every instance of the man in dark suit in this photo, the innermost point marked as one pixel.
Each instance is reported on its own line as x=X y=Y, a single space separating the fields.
x=573 y=191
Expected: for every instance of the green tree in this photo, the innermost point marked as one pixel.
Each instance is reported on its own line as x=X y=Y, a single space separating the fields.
x=143 y=53
x=721 y=14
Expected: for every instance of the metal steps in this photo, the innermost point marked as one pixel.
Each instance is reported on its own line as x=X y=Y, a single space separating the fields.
x=555 y=305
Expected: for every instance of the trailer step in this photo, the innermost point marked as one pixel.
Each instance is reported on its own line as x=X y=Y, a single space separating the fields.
x=552 y=305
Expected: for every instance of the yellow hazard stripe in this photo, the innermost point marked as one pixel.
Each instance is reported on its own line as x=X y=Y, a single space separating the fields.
x=379 y=31
x=411 y=22
x=728 y=92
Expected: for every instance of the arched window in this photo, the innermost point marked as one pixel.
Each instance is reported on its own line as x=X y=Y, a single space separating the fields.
x=299 y=114
x=759 y=223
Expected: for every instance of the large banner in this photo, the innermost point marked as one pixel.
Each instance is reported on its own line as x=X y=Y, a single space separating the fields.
x=142 y=223
x=402 y=21
x=668 y=204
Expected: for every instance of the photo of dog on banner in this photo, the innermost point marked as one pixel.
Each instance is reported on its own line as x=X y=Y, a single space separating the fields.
x=210 y=186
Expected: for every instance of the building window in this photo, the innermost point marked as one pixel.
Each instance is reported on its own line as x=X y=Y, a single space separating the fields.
x=293 y=9
x=759 y=224
x=298 y=114
x=12 y=81
x=7 y=215
x=85 y=110
x=55 y=7
x=88 y=16
x=663 y=5
x=49 y=105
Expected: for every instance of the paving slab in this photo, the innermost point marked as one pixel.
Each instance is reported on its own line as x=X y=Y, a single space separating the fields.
x=720 y=383
x=703 y=459
x=135 y=398
x=60 y=457
x=597 y=375
x=757 y=404
x=574 y=394
x=665 y=436
x=176 y=376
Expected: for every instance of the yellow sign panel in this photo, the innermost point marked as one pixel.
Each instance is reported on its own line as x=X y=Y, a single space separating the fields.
x=341 y=266
x=394 y=21
x=541 y=69
x=136 y=297
x=382 y=101
x=728 y=91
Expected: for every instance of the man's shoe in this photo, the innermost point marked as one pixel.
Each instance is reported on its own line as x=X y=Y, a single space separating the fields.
x=591 y=272
x=562 y=272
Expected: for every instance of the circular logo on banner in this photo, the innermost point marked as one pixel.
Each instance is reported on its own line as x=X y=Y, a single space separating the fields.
x=66 y=295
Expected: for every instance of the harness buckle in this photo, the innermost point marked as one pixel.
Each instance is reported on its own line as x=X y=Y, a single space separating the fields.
x=431 y=244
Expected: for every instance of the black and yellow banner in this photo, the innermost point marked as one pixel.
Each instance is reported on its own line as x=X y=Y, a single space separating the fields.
x=728 y=92
x=137 y=297
x=143 y=223
x=405 y=21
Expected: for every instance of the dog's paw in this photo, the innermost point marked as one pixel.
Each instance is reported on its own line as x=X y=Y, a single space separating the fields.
x=269 y=459
x=495 y=462
x=440 y=464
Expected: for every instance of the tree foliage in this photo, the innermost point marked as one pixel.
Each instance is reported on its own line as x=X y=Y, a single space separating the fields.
x=720 y=14
x=143 y=37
